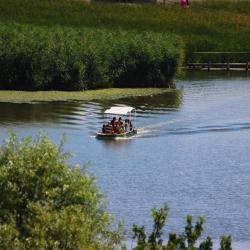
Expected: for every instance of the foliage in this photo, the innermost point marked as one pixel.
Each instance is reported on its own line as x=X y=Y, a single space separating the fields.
x=225 y=242
x=214 y=25
x=34 y=58
x=45 y=203
x=154 y=240
x=185 y=241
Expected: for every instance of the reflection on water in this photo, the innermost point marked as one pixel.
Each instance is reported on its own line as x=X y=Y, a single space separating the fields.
x=87 y=116
x=192 y=151
x=118 y=143
x=215 y=75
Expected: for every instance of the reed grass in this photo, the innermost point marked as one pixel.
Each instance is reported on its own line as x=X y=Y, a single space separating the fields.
x=66 y=58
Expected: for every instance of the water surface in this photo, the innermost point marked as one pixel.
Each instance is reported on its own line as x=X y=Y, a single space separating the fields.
x=192 y=151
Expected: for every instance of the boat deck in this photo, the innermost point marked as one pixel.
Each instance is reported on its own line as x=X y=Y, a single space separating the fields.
x=104 y=136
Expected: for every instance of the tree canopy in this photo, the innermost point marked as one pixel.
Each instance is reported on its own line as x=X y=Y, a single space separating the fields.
x=47 y=203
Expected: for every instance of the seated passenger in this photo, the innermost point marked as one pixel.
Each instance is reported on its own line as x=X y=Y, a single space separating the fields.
x=109 y=129
x=130 y=126
x=113 y=121
x=120 y=120
x=117 y=129
x=103 y=128
x=117 y=122
x=126 y=125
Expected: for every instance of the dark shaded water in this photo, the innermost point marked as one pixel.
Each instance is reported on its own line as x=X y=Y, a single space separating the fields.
x=192 y=151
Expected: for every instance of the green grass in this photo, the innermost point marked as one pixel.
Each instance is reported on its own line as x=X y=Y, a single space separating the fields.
x=89 y=95
x=214 y=25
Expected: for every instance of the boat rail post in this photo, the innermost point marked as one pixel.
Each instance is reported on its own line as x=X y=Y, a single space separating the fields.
x=247 y=66
x=130 y=119
x=135 y=118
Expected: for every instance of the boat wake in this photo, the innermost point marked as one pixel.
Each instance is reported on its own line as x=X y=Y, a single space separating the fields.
x=167 y=128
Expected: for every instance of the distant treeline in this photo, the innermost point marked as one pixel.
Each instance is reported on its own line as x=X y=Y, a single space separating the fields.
x=39 y=58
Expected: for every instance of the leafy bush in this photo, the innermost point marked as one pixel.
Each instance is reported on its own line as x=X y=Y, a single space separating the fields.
x=35 y=58
x=45 y=203
x=185 y=241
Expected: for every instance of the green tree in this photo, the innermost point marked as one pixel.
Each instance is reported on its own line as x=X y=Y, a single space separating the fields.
x=184 y=241
x=225 y=242
x=154 y=240
x=46 y=203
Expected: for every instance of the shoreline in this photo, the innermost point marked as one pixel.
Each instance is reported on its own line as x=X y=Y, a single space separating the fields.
x=15 y=96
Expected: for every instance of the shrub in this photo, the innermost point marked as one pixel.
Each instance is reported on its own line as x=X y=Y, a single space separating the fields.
x=45 y=203
x=185 y=241
x=63 y=58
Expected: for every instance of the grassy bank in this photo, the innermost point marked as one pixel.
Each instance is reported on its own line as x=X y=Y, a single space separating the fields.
x=89 y=95
x=214 y=25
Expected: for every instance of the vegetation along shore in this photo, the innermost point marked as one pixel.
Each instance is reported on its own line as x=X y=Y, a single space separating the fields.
x=89 y=95
x=74 y=45
x=64 y=58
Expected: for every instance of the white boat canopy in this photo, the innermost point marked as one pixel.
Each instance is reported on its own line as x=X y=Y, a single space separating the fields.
x=122 y=110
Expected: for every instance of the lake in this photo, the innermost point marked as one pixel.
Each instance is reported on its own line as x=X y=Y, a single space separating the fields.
x=192 y=151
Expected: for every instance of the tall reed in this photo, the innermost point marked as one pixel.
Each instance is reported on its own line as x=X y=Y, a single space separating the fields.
x=67 y=58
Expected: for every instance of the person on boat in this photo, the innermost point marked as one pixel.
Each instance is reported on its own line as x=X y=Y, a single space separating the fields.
x=117 y=129
x=120 y=120
x=109 y=129
x=113 y=121
x=121 y=126
x=117 y=122
x=126 y=125
x=130 y=125
x=113 y=124
x=121 y=129
x=103 y=128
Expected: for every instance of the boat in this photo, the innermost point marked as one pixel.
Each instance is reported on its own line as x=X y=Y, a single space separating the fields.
x=126 y=130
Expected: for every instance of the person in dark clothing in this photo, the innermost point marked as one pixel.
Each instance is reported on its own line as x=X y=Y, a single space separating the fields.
x=113 y=121
x=130 y=126
x=103 y=128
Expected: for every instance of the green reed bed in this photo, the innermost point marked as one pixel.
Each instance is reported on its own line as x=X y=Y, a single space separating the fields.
x=214 y=25
x=65 y=58
x=72 y=45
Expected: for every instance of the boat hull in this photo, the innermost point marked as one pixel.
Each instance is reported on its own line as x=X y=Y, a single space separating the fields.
x=103 y=136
